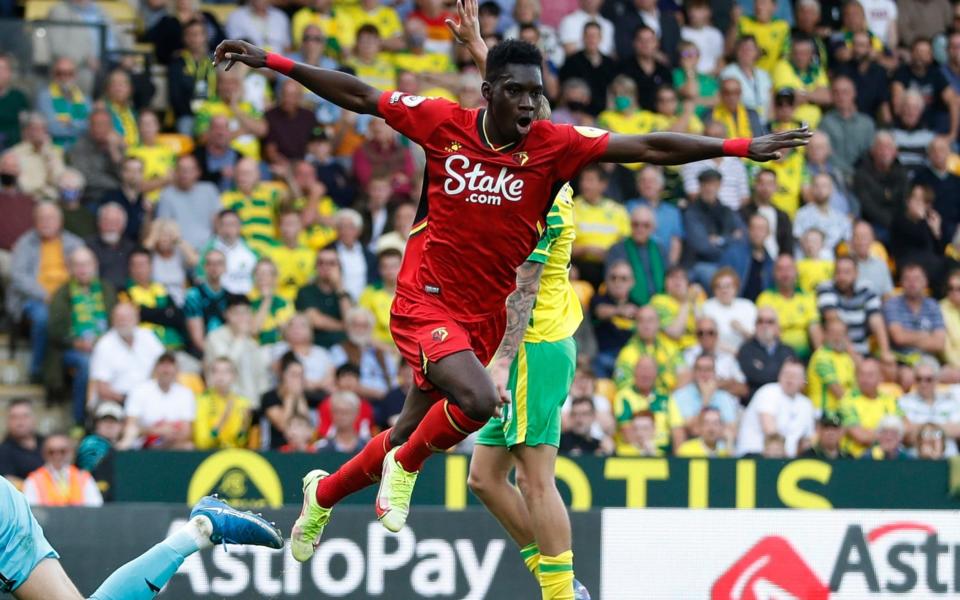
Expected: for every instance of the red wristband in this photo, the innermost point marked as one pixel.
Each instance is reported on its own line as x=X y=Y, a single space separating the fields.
x=737 y=147
x=279 y=63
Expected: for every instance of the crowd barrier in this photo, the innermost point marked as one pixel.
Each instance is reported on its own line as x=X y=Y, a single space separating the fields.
x=621 y=554
x=273 y=480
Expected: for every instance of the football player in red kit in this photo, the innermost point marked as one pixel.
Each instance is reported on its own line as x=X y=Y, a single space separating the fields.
x=491 y=176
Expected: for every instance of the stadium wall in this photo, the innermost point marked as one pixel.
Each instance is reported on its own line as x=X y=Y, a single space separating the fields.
x=621 y=554
x=273 y=480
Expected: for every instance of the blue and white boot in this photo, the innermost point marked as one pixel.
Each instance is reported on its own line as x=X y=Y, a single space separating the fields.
x=231 y=526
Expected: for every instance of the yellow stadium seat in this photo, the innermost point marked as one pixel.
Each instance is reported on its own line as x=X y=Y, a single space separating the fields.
x=220 y=11
x=120 y=12
x=178 y=142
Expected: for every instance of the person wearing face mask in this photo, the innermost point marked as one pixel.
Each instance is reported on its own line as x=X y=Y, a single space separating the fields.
x=622 y=114
x=110 y=247
x=124 y=357
x=77 y=219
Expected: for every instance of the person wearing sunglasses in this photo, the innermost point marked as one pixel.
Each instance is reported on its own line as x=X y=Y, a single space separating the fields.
x=761 y=356
x=930 y=442
x=58 y=482
x=729 y=376
x=927 y=403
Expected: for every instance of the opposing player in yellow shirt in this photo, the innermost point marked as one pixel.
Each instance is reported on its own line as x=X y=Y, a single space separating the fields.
x=534 y=369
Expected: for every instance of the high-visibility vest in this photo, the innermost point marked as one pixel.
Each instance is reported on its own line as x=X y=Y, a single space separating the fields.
x=53 y=493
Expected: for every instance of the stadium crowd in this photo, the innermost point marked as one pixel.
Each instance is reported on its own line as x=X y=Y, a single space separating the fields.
x=213 y=266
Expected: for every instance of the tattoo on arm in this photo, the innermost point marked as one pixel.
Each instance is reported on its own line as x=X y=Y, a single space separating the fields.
x=519 y=306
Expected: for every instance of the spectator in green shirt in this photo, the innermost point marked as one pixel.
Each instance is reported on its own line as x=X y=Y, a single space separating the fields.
x=324 y=301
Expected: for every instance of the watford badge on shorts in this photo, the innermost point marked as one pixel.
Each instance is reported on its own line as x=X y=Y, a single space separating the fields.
x=521 y=158
x=439 y=334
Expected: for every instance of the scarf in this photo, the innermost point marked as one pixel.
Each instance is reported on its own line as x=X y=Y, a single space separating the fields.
x=203 y=72
x=737 y=125
x=640 y=294
x=124 y=123
x=68 y=107
x=88 y=311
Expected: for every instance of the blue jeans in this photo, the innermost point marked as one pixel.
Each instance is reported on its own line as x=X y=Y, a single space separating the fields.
x=702 y=273
x=36 y=312
x=603 y=364
x=80 y=363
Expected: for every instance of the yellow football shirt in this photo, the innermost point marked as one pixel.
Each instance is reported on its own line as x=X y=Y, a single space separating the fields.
x=384 y=18
x=158 y=161
x=695 y=448
x=381 y=73
x=790 y=172
x=248 y=145
x=668 y=308
x=827 y=367
x=257 y=214
x=295 y=268
x=601 y=225
x=811 y=272
x=211 y=430
x=664 y=352
x=428 y=62
x=770 y=38
x=796 y=314
x=785 y=76
x=378 y=301
x=556 y=313
x=859 y=410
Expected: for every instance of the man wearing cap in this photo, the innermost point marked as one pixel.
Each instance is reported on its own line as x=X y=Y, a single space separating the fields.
x=712 y=229
x=829 y=436
x=95 y=452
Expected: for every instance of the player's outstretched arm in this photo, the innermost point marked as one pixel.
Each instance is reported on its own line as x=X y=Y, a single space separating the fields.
x=466 y=30
x=344 y=90
x=678 y=148
x=519 y=306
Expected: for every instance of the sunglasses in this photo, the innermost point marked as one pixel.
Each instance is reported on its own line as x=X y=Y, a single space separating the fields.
x=56 y=451
x=619 y=277
x=953 y=288
x=766 y=322
x=328 y=263
x=646 y=224
x=709 y=332
x=313 y=38
x=926 y=379
x=932 y=434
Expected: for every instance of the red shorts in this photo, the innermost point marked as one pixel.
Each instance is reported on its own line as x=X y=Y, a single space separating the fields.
x=425 y=332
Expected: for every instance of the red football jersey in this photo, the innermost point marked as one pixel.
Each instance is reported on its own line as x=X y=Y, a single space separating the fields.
x=482 y=209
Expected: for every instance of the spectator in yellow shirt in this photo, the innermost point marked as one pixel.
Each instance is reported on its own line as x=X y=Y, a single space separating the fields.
x=256 y=204
x=246 y=123
x=832 y=372
x=293 y=260
x=623 y=115
x=771 y=34
x=158 y=159
x=378 y=297
x=806 y=78
x=796 y=310
x=812 y=270
x=435 y=69
x=950 y=308
x=374 y=13
x=862 y=409
x=710 y=444
x=271 y=312
x=601 y=223
x=223 y=417
x=370 y=63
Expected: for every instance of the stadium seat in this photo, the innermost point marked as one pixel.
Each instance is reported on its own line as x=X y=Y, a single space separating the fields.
x=178 y=142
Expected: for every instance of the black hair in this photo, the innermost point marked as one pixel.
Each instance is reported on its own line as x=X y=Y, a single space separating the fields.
x=592 y=24
x=289 y=358
x=139 y=250
x=368 y=29
x=511 y=52
x=166 y=357
x=389 y=253
x=226 y=211
x=347 y=369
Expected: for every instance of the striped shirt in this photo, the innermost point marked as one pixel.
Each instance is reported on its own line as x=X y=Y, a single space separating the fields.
x=928 y=319
x=855 y=311
x=944 y=409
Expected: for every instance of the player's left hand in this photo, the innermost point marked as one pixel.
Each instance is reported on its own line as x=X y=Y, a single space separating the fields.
x=500 y=373
x=768 y=147
x=234 y=51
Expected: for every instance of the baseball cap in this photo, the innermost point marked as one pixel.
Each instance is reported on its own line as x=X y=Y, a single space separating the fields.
x=709 y=175
x=109 y=410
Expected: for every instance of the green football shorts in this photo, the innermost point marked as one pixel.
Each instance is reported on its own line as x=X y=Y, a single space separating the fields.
x=540 y=379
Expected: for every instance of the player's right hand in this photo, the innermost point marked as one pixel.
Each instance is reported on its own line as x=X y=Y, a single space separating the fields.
x=234 y=51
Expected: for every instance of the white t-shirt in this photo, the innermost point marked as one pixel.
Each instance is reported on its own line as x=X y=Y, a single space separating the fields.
x=353 y=265
x=741 y=310
x=123 y=366
x=794 y=418
x=727 y=366
x=709 y=41
x=571 y=31
x=151 y=405
x=880 y=13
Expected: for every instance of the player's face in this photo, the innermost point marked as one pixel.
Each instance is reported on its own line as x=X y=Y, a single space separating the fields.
x=512 y=100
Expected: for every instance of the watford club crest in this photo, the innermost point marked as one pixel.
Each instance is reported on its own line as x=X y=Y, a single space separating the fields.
x=453 y=147
x=521 y=158
x=439 y=334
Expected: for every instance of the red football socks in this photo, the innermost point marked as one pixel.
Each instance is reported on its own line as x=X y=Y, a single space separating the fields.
x=443 y=427
x=357 y=473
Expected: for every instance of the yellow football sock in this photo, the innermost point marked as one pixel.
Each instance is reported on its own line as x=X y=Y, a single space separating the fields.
x=531 y=556
x=556 y=576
